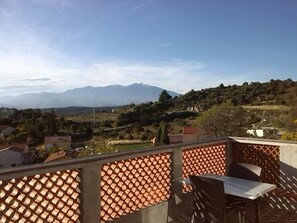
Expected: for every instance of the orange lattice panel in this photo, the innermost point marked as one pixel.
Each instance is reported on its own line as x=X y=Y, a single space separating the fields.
x=50 y=197
x=129 y=185
x=204 y=159
x=265 y=156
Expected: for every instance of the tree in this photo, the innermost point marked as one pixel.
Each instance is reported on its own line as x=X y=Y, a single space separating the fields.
x=164 y=97
x=89 y=131
x=51 y=122
x=32 y=130
x=289 y=136
x=224 y=120
x=158 y=137
x=127 y=118
x=162 y=135
x=40 y=155
x=96 y=147
x=290 y=124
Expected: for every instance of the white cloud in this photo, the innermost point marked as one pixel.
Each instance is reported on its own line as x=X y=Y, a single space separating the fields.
x=33 y=71
x=42 y=79
x=26 y=55
x=30 y=62
x=170 y=75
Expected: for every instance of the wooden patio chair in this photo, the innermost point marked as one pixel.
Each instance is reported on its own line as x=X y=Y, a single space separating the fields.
x=209 y=203
x=245 y=171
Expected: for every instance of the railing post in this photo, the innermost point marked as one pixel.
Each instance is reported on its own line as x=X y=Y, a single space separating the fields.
x=177 y=164
x=176 y=203
x=90 y=192
x=177 y=173
x=229 y=158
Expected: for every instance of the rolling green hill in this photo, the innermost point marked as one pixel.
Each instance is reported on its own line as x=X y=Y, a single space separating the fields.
x=275 y=92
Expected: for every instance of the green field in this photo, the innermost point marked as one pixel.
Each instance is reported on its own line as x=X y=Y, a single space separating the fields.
x=125 y=147
x=267 y=107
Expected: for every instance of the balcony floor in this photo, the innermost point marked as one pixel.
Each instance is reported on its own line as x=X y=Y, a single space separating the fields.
x=267 y=215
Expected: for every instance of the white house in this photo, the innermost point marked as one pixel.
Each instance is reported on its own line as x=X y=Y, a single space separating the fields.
x=13 y=155
x=5 y=130
x=256 y=132
x=57 y=141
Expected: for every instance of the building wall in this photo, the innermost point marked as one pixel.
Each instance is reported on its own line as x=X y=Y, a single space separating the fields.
x=65 y=145
x=189 y=137
x=9 y=158
x=48 y=145
x=288 y=167
x=178 y=138
x=6 y=132
x=286 y=194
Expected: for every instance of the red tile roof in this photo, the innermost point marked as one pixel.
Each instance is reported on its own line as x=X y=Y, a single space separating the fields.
x=56 y=156
x=189 y=130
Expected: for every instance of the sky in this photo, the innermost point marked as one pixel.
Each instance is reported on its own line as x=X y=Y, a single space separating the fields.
x=178 y=45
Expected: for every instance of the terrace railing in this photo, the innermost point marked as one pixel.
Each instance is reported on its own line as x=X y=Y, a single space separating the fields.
x=142 y=185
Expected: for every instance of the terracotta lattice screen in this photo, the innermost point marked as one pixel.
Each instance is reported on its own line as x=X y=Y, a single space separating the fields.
x=129 y=185
x=265 y=156
x=204 y=159
x=49 y=197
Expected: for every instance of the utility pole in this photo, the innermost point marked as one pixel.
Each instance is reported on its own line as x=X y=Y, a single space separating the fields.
x=93 y=117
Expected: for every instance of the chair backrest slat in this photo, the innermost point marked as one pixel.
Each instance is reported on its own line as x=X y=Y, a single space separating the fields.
x=245 y=171
x=208 y=198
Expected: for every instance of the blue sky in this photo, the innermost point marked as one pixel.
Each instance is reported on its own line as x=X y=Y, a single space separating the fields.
x=179 y=45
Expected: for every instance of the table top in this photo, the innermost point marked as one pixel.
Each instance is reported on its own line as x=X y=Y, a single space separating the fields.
x=240 y=187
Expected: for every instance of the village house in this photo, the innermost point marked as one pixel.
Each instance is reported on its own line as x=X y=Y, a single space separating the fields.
x=57 y=142
x=255 y=132
x=263 y=131
x=14 y=155
x=175 y=138
x=6 y=130
x=189 y=134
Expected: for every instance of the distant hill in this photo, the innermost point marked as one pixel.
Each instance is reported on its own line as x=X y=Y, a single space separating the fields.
x=280 y=94
x=112 y=95
x=274 y=92
x=72 y=110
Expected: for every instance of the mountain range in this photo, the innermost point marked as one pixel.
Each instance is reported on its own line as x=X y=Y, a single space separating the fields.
x=112 y=95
